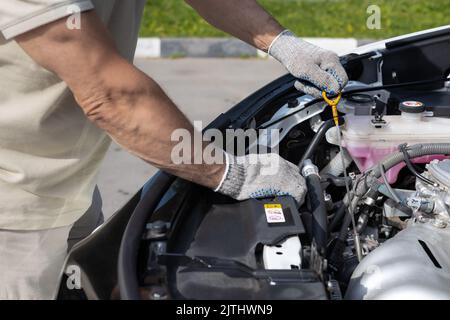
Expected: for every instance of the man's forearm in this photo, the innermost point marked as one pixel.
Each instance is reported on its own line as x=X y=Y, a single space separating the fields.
x=136 y=112
x=244 y=19
x=115 y=95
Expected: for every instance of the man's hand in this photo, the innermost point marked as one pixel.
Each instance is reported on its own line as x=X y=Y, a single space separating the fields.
x=262 y=175
x=317 y=69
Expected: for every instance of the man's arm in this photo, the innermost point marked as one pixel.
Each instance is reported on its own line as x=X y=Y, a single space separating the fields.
x=134 y=110
x=317 y=69
x=114 y=94
x=244 y=19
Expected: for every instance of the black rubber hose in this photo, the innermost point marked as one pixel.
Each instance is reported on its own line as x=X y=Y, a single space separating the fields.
x=336 y=253
x=337 y=217
x=410 y=166
x=335 y=181
x=318 y=137
x=319 y=212
x=344 y=228
x=131 y=239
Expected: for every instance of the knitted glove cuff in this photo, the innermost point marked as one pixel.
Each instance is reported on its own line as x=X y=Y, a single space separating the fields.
x=284 y=47
x=233 y=178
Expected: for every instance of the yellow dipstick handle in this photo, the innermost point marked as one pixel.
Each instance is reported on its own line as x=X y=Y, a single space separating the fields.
x=333 y=104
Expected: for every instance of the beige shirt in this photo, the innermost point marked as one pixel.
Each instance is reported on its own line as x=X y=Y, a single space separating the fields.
x=49 y=151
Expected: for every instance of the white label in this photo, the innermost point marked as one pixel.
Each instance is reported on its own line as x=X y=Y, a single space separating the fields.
x=274 y=213
x=412 y=103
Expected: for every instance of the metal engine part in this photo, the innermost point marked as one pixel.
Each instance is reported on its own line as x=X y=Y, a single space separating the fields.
x=413 y=265
x=434 y=199
x=440 y=172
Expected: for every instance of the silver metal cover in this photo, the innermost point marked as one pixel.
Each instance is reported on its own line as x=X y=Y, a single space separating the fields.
x=440 y=170
x=413 y=265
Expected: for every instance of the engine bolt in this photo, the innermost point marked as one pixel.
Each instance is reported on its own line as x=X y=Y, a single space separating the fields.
x=156 y=296
x=421 y=219
x=439 y=223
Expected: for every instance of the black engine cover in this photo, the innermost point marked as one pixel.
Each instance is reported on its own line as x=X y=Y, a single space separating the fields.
x=237 y=231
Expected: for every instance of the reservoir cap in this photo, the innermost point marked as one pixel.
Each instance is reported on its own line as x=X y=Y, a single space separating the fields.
x=412 y=107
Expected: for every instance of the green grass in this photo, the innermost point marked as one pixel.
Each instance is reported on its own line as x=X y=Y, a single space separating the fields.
x=307 y=18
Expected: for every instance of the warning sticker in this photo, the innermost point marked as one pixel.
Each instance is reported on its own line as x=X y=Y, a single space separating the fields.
x=274 y=213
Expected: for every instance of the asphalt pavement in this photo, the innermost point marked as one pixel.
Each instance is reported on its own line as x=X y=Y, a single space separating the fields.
x=202 y=89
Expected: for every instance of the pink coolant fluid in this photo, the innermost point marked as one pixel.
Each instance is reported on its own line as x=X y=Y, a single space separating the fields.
x=369 y=145
x=366 y=157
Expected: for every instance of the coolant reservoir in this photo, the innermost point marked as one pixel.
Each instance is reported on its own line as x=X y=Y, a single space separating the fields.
x=368 y=144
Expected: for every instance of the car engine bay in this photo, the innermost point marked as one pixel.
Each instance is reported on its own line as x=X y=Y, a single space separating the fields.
x=376 y=220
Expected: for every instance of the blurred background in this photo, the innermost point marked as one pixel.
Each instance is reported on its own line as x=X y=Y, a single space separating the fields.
x=307 y=18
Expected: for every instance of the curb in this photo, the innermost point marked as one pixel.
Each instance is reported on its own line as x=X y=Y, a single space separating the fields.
x=225 y=47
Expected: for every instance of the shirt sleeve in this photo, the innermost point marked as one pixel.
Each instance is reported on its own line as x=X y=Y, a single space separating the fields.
x=20 y=16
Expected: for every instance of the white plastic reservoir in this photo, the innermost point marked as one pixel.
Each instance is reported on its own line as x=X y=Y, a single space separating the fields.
x=368 y=144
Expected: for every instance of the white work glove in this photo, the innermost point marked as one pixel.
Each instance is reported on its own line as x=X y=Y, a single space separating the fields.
x=261 y=176
x=317 y=69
